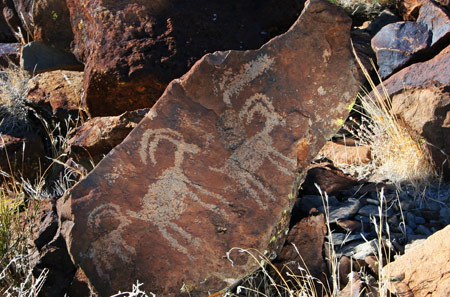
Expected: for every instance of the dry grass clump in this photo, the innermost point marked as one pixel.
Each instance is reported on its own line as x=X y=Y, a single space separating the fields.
x=398 y=153
x=14 y=111
x=18 y=218
x=364 y=9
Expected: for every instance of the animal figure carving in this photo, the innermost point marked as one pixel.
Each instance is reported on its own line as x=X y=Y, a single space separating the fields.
x=166 y=198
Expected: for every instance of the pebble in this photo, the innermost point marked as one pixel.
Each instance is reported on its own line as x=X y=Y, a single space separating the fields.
x=421 y=229
x=411 y=220
x=346 y=209
x=420 y=220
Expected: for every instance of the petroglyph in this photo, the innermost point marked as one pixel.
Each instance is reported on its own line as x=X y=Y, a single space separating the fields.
x=232 y=84
x=248 y=158
x=166 y=198
x=108 y=244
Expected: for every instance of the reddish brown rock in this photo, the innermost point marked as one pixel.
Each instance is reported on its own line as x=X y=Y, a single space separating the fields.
x=56 y=94
x=22 y=156
x=421 y=98
x=329 y=178
x=424 y=270
x=304 y=248
x=345 y=267
x=95 y=138
x=213 y=165
x=133 y=49
x=354 y=287
x=52 y=23
x=341 y=154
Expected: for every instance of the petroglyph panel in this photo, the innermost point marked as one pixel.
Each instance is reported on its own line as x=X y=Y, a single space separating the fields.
x=214 y=165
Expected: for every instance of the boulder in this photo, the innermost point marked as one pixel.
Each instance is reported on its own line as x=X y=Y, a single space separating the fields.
x=424 y=270
x=133 y=49
x=95 y=138
x=437 y=20
x=214 y=165
x=395 y=45
x=304 y=248
x=52 y=24
x=56 y=94
x=37 y=57
x=330 y=180
x=22 y=156
x=420 y=97
x=400 y=44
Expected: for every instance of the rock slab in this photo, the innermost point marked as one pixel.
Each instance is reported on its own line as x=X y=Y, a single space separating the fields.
x=424 y=270
x=215 y=164
x=133 y=49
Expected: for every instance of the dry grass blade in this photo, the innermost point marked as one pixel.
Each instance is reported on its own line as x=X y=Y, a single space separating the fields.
x=398 y=154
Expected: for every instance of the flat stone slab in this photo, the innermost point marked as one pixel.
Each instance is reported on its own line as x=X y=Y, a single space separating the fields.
x=214 y=165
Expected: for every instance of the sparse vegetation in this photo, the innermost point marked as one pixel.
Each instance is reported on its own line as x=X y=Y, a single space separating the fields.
x=398 y=154
x=14 y=111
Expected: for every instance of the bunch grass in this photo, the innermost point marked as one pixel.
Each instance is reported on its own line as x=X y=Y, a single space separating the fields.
x=398 y=154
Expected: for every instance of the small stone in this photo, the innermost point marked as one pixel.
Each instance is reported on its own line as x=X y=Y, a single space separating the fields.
x=345 y=210
x=354 y=286
x=370 y=210
x=340 y=239
x=394 y=220
x=407 y=205
x=411 y=220
x=444 y=215
x=373 y=201
x=421 y=229
x=344 y=268
x=350 y=225
x=409 y=230
x=420 y=220
x=359 y=250
x=437 y=19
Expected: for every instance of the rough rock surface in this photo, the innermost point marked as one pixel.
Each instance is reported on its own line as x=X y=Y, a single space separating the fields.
x=56 y=94
x=396 y=44
x=424 y=270
x=420 y=96
x=213 y=164
x=341 y=154
x=304 y=248
x=52 y=23
x=329 y=179
x=437 y=20
x=133 y=49
x=98 y=136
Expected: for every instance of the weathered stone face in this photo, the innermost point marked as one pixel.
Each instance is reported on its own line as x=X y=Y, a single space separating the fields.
x=133 y=49
x=214 y=164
